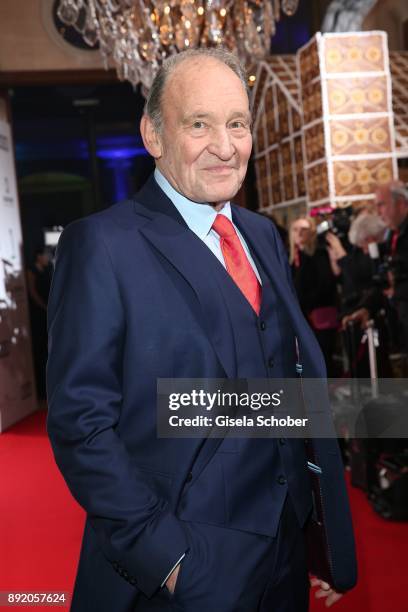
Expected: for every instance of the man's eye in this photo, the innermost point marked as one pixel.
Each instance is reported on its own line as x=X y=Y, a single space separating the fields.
x=198 y=124
x=237 y=125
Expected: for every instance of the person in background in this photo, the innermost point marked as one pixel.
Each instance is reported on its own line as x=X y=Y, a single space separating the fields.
x=392 y=206
x=314 y=277
x=358 y=268
x=38 y=284
x=362 y=292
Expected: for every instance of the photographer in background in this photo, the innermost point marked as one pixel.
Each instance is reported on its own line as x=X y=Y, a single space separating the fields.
x=363 y=282
x=392 y=206
x=361 y=293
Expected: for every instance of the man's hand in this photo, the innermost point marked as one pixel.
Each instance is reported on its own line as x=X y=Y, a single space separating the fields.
x=336 y=251
x=335 y=247
x=172 y=579
x=361 y=315
x=325 y=590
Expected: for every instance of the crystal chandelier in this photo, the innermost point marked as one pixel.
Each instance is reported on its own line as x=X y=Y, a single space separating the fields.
x=138 y=34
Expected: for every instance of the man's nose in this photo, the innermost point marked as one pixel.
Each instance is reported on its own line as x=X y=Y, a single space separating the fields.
x=221 y=144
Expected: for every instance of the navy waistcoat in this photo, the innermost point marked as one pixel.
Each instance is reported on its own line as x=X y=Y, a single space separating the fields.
x=245 y=483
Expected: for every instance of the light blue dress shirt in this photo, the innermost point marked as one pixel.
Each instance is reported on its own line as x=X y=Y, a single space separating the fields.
x=200 y=217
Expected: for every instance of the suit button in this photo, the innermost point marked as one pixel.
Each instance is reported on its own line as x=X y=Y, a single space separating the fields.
x=271 y=362
x=281 y=480
x=263 y=325
x=189 y=477
x=282 y=441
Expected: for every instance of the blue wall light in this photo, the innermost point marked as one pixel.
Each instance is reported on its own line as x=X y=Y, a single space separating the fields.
x=119 y=147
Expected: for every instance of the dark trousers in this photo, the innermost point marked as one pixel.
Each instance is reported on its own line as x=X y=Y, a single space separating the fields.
x=227 y=570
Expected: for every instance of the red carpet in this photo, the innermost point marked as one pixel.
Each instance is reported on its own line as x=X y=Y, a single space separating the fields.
x=41 y=527
x=40 y=523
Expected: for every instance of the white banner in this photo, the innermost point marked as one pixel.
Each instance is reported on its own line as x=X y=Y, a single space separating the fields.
x=17 y=389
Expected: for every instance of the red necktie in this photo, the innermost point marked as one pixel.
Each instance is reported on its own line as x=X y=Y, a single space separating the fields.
x=394 y=241
x=237 y=263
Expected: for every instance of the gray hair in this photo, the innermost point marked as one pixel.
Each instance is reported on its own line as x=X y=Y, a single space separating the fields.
x=367 y=225
x=399 y=191
x=153 y=106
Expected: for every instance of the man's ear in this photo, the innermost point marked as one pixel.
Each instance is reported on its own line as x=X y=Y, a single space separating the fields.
x=150 y=137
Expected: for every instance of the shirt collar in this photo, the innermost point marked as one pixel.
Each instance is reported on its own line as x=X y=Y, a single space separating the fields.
x=199 y=217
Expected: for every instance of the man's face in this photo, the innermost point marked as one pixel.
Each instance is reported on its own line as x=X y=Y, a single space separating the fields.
x=205 y=142
x=392 y=211
x=385 y=206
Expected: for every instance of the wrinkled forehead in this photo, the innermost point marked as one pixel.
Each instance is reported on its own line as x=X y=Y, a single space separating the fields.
x=202 y=81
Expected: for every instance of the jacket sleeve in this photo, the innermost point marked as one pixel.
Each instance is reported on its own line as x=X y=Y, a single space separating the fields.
x=86 y=326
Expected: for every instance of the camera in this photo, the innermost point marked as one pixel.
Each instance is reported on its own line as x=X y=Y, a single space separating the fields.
x=339 y=224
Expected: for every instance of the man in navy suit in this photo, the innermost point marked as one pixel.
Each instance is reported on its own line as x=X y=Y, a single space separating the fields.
x=179 y=283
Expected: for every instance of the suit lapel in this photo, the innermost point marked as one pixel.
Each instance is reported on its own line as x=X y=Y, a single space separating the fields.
x=168 y=233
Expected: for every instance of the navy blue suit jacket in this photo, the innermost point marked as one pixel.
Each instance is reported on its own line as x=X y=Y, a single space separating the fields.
x=130 y=303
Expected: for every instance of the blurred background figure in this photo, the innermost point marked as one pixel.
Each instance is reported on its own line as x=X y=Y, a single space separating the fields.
x=392 y=206
x=374 y=277
x=314 y=276
x=38 y=282
x=363 y=281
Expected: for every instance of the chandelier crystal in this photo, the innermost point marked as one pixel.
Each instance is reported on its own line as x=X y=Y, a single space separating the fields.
x=138 y=34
